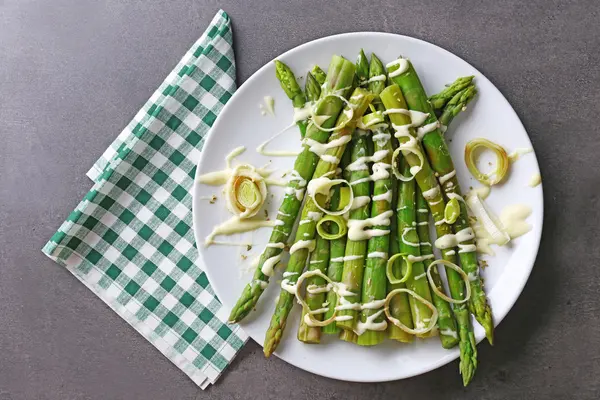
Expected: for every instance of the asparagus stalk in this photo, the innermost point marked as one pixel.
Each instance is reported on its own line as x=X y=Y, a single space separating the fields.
x=409 y=244
x=354 y=259
x=399 y=305
x=393 y=99
x=438 y=101
x=359 y=101
x=446 y=323
x=457 y=104
x=319 y=260
x=340 y=76
x=374 y=280
x=290 y=86
x=336 y=264
x=319 y=74
x=312 y=88
x=441 y=161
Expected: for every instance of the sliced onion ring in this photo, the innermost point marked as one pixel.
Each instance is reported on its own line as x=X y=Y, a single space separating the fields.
x=336 y=219
x=488 y=220
x=312 y=192
x=452 y=211
x=301 y=300
x=337 y=127
x=414 y=170
x=395 y=321
x=390 y=264
x=502 y=161
x=442 y=294
x=245 y=180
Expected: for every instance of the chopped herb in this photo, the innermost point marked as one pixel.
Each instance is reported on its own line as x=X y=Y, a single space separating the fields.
x=213 y=199
x=244 y=257
x=249 y=247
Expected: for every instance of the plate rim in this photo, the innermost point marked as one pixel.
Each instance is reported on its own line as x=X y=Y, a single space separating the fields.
x=452 y=354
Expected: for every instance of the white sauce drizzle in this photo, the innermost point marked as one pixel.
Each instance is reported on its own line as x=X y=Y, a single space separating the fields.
x=424 y=130
x=378 y=254
x=276 y=153
x=402 y=64
x=270 y=264
x=445 y=178
x=303 y=244
x=515 y=155
x=405 y=241
x=387 y=196
x=356 y=228
x=236 y=225
x=535 y=180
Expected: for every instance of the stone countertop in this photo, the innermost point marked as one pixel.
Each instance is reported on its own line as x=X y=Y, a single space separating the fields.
x=74 y=72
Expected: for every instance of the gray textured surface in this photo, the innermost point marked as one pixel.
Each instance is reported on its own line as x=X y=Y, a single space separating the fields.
x=74 y=72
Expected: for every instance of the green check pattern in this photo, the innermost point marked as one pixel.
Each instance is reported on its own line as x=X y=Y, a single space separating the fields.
x=130 y=240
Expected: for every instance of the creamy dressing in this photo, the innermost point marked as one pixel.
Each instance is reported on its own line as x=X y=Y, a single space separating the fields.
x=412 y=258
x=405 y=241
x=402 y=64
x=417 y=118
x=276 y=153
x=455 y=196
x=303 y=113
x=321 y=148
x=424 y=130
x=378 y=254
x=360 y=201
x=449 y=332
x=269 y=104
x=379 y=172
x=270 y=263
x=346 y=258
x=513 y=218
x=515 y=155
x=357 y=228
x=370 y=324
x=431 y=193
x=535 y=180
x=361 y=163
x=236 y=225
x=387 y=196
x=452 y=240
x=483 y=192
x=378 y=78
x=303 y=244
x=288 y=287
x=445 y=178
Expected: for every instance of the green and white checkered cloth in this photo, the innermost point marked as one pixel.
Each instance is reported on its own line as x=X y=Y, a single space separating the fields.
x=130 y=240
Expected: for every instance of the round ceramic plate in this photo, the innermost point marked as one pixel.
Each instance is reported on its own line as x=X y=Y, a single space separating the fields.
x=241 y=124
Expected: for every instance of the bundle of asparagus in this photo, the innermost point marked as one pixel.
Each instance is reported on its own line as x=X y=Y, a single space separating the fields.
x=386 y=260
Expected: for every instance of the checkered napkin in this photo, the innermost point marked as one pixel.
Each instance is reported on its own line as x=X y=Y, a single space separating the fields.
x=130 y=240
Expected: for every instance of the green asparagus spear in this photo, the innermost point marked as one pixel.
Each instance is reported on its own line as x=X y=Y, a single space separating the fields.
x=457 y=104
x=356 y=249
x=441 y=161
x=362 y=68
x=409 y=244
x=438 y=101
x=340 y=76
x=446 y=323
x=319 y=74
x=336 y=262
x=312 y=88
x=359 y=102
x=290 y=86
x=354 y=262
x=393 y=99
x=399 y=305
x=374 y=280
x=318 y=261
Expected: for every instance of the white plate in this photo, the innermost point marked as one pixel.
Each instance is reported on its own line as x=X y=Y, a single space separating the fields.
x=241 y=124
